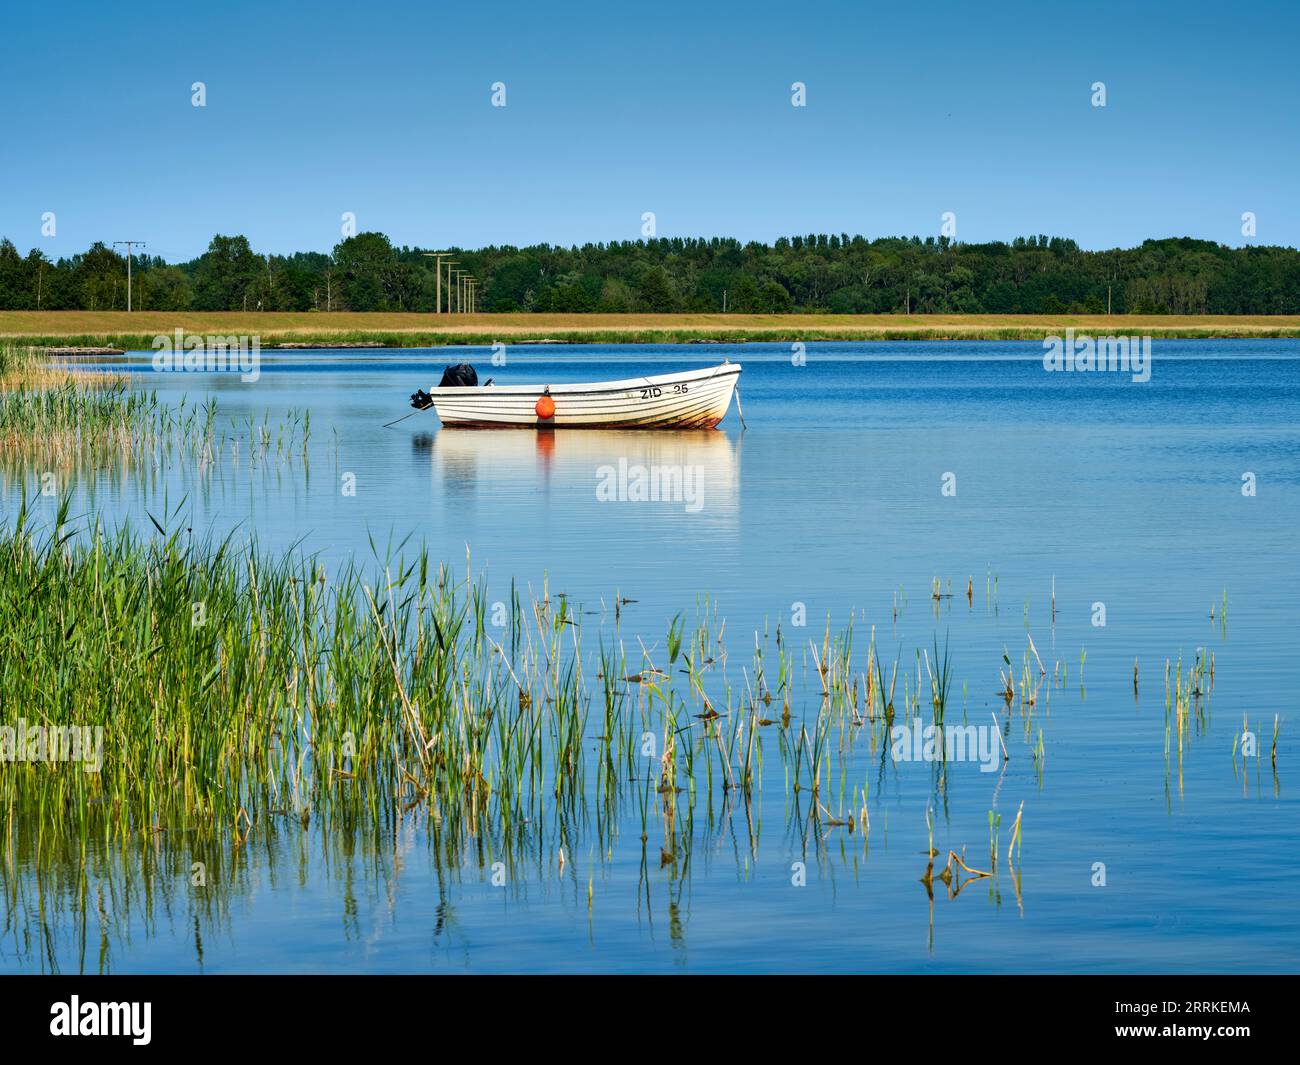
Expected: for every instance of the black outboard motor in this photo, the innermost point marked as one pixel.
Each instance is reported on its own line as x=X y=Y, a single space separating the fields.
x=460 y=376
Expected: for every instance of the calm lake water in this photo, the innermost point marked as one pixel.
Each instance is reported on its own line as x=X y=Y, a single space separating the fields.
x=862 y=477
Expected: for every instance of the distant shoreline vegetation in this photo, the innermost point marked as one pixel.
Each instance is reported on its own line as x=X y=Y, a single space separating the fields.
x=813 y=274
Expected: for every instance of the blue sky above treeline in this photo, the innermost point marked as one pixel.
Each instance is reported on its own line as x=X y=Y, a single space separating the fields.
x=614 y=110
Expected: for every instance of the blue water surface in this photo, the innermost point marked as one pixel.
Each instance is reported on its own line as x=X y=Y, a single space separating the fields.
x=860 y=478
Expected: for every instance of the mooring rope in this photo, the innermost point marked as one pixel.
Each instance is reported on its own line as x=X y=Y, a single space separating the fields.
x=403 y=418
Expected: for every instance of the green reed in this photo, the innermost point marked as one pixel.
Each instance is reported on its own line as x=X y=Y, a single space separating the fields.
x=233 y=686
x=18 y=361
x=230 y=684
x=55 y=419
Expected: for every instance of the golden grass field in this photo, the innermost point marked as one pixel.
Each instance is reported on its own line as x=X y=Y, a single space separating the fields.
x=135 y=330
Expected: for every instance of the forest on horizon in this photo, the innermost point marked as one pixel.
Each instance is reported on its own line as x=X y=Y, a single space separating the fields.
x=824 y=273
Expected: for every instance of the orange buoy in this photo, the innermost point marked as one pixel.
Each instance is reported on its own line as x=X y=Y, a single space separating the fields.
x=545 y=407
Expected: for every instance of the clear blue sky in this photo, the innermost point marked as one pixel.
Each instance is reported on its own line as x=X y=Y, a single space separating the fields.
x=614 y=109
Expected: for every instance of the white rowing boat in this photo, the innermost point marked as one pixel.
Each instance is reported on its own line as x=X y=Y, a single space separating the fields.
x=695 y=399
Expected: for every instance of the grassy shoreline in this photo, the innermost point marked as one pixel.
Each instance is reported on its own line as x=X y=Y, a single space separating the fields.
x=136 y=331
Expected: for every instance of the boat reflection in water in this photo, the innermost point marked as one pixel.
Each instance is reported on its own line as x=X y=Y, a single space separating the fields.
x=689 y=472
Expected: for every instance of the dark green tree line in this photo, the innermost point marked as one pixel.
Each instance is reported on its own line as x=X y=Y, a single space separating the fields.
x=812 y=273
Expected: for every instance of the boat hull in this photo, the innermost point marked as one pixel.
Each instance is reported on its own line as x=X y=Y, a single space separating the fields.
x=695 y=399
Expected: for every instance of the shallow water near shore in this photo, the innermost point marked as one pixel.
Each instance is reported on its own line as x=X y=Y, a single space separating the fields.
x=861 y=478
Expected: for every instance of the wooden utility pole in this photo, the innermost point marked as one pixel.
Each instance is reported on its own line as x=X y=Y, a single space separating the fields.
x=456 y=263
x=128 y=244
x=450 y=271
x=437 y=257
